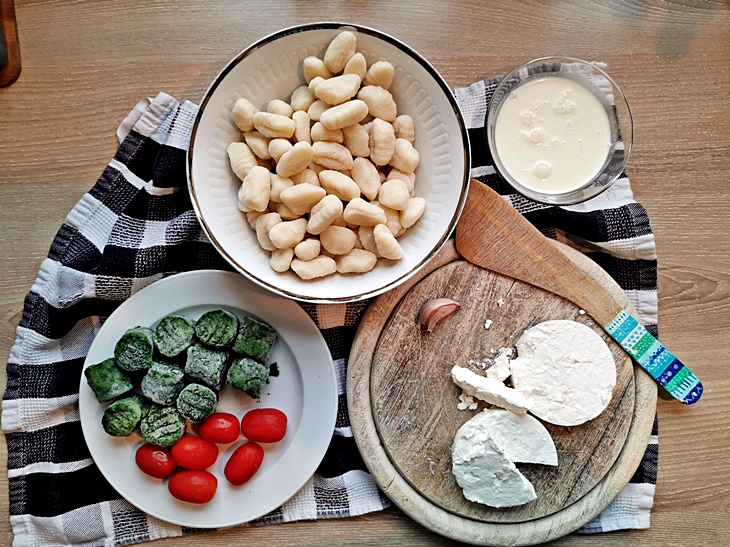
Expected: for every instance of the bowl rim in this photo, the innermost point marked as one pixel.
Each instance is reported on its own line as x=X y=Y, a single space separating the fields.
x=326 y=25
x=535 y=196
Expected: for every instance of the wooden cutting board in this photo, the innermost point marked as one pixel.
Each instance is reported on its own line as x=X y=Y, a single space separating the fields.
x=403 y=405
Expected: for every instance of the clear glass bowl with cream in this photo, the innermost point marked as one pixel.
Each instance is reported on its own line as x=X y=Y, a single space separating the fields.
x=559 y=130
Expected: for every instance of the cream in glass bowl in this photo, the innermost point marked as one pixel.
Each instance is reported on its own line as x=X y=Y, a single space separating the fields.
x=559 y=130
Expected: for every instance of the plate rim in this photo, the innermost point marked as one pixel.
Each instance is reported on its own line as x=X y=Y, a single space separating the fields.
x=327 y=25
x=329 y=375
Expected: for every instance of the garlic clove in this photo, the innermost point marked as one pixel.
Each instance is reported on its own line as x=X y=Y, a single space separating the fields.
x=433 y=311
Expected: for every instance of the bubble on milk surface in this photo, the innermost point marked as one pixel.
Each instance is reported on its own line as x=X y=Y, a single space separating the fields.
x=542 y=169
x=535 y=136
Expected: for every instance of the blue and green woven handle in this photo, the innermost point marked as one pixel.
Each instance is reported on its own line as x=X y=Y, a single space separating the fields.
x=653 y=357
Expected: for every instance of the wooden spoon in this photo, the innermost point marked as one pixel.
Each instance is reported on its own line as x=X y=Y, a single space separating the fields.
x=493 y=235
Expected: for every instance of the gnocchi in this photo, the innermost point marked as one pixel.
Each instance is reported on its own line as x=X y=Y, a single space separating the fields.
x=342 y=115
x=255 y=190
x=357 y=65
x=328 y=178
x=243 y=112
x=274 y=125
x=308 y=249
x=242 y=159
x=302 y=131
x=356 y=261
x=380 y=74
x=258 y=144
x=339 y=51
x=294 y=160
x=356 y=140
x=382 y=141
x=339 y=89
x=301 y=99
x=324 y=214
x=380 y=102
x=317 y=267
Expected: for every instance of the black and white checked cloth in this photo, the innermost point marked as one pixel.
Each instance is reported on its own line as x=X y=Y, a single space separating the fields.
x=135 y=226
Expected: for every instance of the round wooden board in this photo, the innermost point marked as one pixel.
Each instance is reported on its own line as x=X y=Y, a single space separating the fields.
x=419 y=507
x=414 y=399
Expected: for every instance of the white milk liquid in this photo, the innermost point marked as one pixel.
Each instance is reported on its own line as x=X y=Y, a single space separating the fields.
x=552 y=135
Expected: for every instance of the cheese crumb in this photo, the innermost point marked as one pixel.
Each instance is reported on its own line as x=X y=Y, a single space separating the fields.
x=500 y=369
x=500 y=302
x=582 y=312
x=431 y=465
x=483 y=364
x=466 y=402
x=488 y=323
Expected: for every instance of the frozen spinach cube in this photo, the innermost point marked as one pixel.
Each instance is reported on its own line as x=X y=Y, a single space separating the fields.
x=207 y=365
x=217 y=328
x=134 y=349
x=122 y=417
x=248 y=375
x=173 y=335
x=163 y=425
x=162 y=383
x=107 y=380
x=255 y=339
x=196 y=402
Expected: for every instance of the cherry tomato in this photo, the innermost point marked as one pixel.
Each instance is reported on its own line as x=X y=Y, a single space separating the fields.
x=220 y=427
x=194 y=452
x=243 y=463
x=264 y=425
x=193 y=486
x=156 y=461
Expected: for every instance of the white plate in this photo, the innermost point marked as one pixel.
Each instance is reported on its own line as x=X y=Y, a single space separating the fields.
x=305 y=390
x=271 y=69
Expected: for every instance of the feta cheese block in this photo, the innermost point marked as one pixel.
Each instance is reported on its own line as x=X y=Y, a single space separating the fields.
x=522 y=438
x=567 y=369
x=490 y=390
x=485 y=449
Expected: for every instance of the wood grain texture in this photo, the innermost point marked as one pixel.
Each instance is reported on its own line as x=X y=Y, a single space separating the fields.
x=85 y=64
x=492 y=234
x=414 y=399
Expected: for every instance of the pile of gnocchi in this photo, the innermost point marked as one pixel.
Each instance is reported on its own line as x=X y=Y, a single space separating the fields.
x=328 y=179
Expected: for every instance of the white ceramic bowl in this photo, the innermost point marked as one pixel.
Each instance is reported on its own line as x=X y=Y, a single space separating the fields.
x=271 y=69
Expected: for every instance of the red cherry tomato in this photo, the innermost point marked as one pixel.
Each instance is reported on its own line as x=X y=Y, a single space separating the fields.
x=194 y=452
x=156 y=461
x=264 y=425
x=243 y=463
x=193 y=486
x=220 y=427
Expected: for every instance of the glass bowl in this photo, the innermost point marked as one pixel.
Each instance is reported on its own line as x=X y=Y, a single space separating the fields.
x=528 y=140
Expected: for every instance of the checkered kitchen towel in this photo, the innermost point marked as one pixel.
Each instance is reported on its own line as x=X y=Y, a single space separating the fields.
x=135 y=226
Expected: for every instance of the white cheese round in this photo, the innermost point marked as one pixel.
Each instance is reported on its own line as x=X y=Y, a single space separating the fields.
x=566 y=370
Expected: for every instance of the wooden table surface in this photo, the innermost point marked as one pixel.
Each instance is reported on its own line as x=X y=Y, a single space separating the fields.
x=86 y=63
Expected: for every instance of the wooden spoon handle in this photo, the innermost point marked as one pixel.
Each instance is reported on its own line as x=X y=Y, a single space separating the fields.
x=493 y=235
